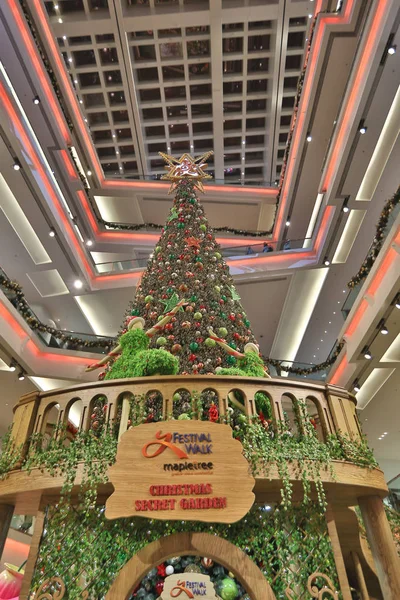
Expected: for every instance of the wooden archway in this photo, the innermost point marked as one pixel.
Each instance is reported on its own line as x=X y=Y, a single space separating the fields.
x=200 y=544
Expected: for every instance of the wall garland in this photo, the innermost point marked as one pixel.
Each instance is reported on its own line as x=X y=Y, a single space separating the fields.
x=378 y=240
x=35 y=324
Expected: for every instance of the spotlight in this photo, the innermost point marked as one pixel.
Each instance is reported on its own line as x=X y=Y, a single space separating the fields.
x=88 y=173
x=397 y=304
x=345 y=207
x=13 y=365
x=276 y=182
x=78 y=284
x=36 y=100
x=288 y=222
x=309 y=138
x=384 y=330
x=89 y=243
x=327 y=262
x=21 y=375
x=367 y=354
x=16 y=165
x=52 y=233
x=392 y=49
x=356 y=386
x=362 y=128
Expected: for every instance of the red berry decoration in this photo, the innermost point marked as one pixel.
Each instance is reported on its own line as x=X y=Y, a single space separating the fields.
x=159 y=587
x=213 y=413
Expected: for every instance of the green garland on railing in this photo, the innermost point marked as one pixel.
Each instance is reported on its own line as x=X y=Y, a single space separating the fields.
x=36 y=325
x=308 y=370
x=377 y=241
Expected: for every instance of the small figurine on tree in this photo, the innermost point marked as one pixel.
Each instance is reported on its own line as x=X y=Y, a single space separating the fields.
x=134 y=357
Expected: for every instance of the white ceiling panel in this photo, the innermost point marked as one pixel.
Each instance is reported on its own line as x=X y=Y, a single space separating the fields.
x=48 y=283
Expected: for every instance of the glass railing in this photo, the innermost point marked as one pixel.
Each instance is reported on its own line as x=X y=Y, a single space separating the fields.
x=353 y=293
x=53 y=341
x=232 y=253
x=281 y=372
x=394 y=493
x=228 y=180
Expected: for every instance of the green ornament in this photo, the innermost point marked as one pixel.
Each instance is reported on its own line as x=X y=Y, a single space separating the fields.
x=193 y=346
x=192 y=201
x=231 y=360
x=176 y=397
x=181 y=225
x=198 y=259
x=161 y=341
x=198 y=316
x=210 y=343
x=217 y=255
x=135 y=312
x=232 y=345
x=224 y=298
x=184 y=417
x=171 y=256
x=203 y=227
x=246 y=322
x=193 y=298
x=222 y=315
x=223 y=332
x=228 y=589
x=242 y=418
x=170 y=290
x=148 y=298
x=157 y=249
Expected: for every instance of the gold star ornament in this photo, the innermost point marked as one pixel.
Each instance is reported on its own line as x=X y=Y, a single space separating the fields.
x=186 y=167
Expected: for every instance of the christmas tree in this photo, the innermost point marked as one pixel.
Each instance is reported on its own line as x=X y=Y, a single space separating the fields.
x=186 y=299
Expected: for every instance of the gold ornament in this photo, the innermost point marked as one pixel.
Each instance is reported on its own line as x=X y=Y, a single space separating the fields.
x=186 y=167
x=193 y=568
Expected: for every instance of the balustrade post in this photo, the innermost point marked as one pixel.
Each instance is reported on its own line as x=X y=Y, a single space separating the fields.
x=123 y=425
x=337 y=553
x=380 y=538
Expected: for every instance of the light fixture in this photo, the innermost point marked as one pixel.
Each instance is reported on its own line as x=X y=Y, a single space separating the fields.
x=64 y=37
x=367 y=354
x=52 y=233
x=327 y=262
x=89 y=243
x=356 y=386
x=88 y=173
x=276 y=182
x=309 y=138
x=21 y=375
x=345 y=207
x=16 y=165
x=288 y=222
x=60 y=20
x=13 y=365
x=36 y=100
x=310 y=16
x=397 y=304
x=384 y=330
x=362 y=128
x=392 y=49
x=78 y=284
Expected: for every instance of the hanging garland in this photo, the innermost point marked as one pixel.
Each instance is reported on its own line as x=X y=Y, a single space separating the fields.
x=35 y=324
x=378 y=240
x=309 y=370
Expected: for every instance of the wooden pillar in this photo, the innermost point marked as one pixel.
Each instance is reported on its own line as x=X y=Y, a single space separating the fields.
x=383 y=549
x=32 y=557
x=6 y=514
x=362 y=586
x=337 y=554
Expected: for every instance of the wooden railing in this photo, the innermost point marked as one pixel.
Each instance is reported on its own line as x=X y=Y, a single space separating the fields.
x=332 y=409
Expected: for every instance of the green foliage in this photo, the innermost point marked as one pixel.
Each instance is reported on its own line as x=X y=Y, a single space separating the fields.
x=88 y=551
x=10 y=454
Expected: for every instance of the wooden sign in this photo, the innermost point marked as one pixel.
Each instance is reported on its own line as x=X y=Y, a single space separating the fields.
x=188 y=585
x=186 y=470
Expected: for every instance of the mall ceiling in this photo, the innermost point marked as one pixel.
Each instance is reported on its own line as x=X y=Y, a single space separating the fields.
x=118 y=81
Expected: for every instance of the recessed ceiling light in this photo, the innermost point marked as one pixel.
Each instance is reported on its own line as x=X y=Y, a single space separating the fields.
x=334 y=312
x=36 y=100
x=385 y=433
x=88 y=173
x=78 y=284
x=309 y=138
x=56 y=6
x=329 y=322
x=89 y=243
x=75 y=81
x=392 y=50
x=288 y=223
x=310 y=16
x=64 y=37
x=60 y=20
x=16 y=165
x=52 y=233
x=80 y=101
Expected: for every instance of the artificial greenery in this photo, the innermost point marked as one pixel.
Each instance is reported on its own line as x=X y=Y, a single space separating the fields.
x=10 y=454
x=87 y=551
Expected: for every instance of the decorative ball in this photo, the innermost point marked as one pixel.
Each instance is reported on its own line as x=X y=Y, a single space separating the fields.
x=161 y=341
x=192 y=568
x=217 y=289
x=203 y=227
x=210 y=343
x=184 y=417
x=157 y=249
x=231 y=360
x=207 y=562
x=193 y=346
x=198 y=315
x=223 y=332
x=218 y=255
x=176 y=397
x=159 y=587
x=170 y=569
x=228 y=589
x=176 y=349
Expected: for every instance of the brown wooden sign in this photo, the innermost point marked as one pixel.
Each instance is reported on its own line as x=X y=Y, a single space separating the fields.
x=188 y=585
x=186 y=470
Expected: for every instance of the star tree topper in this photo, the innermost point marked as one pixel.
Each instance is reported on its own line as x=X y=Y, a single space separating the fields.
x=186 y=167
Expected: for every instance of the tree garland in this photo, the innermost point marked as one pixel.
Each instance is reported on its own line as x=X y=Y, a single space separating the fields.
x=35 y=324
x=378 y=240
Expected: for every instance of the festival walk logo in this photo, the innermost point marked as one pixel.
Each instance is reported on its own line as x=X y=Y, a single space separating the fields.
x=191 y=470
x=188 y=585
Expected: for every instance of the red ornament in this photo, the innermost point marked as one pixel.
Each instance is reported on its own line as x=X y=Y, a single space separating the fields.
x=168 y=327
x=159 y=587
x=176 y=349
x=161 y=571
x=213 y=414
x=192 y=357
x=171 y=338
x=232 y=317
x=236 y=335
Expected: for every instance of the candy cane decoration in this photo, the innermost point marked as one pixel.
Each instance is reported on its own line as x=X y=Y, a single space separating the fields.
x=221 y=342
x=150 y=333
